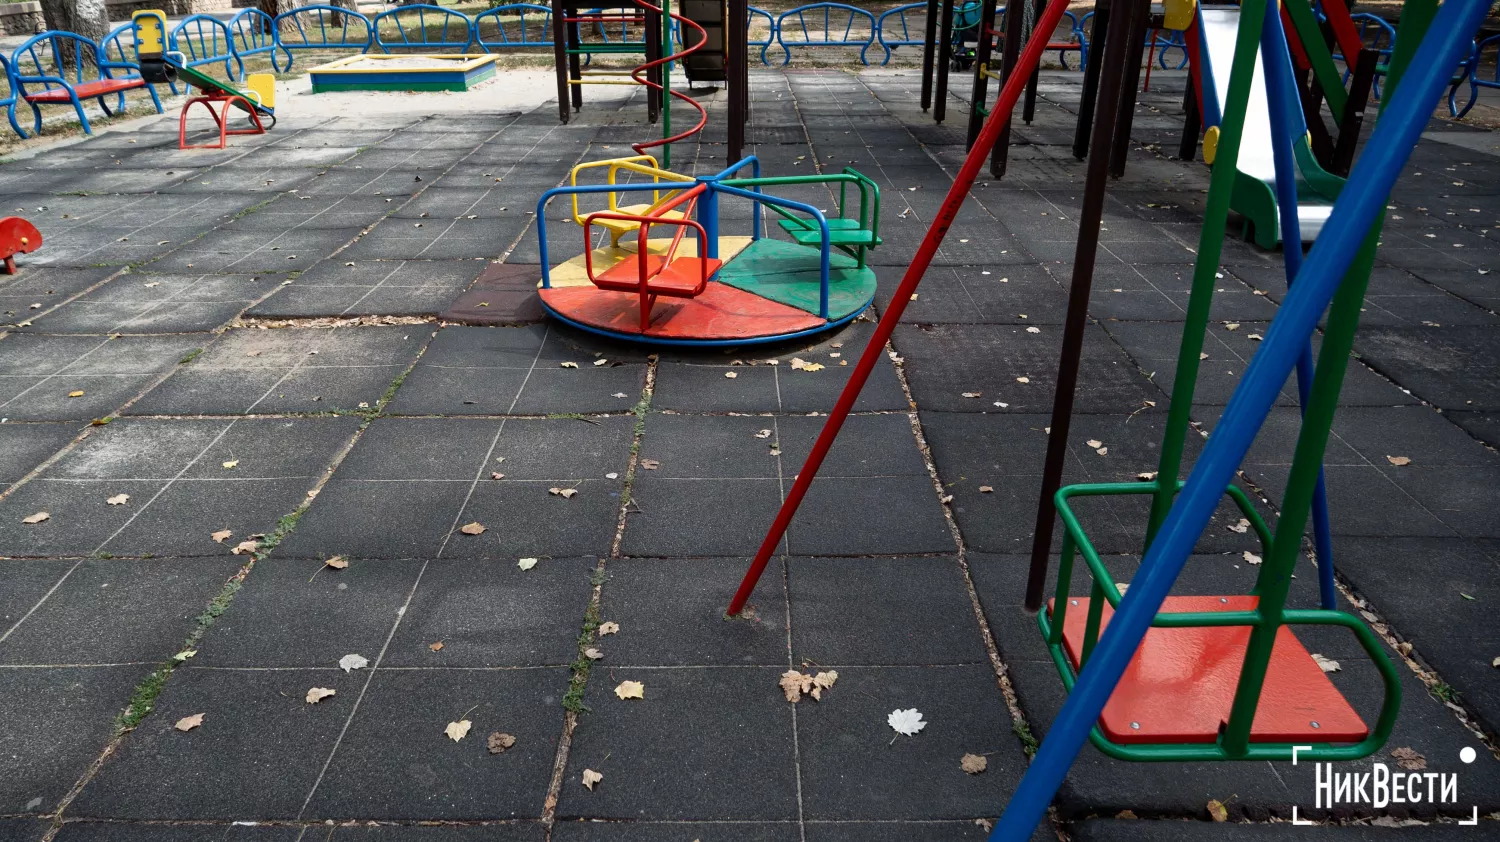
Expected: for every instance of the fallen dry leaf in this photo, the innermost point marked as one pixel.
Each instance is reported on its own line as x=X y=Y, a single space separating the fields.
x=499 y=742
x=475 y=528
x=188 y=723
x=823 y=681
x=36 y=518
x=1241 y=527
x=1217 y=812
x=496 y=475
x=232 y=464
x=600 y=362
x=436 y=647
x=731 y=375
x=631 y=690
x=590 y=777
x=650 y=464
x=565 y=493
x=974 y=763
x=458 y=730
x=352 y=662
x=1409 y=759
x=907 y=722
x=1399 y=461
x=337 y=562
x=118 y=500
x=567 y=365
x=1094 y=443
x=985 y=489
x=1252 y=558
x=609 y=627
x=973 y=394
x=1326 y=664
x=221 y=536
x=1023 y=379
x=794 y=684
x=76 y=394
x=1146 y=476
x=592 y=654
x=526 y=563
x=246 y=547
x=318 y=694
x=763 y=434
x=799 y=364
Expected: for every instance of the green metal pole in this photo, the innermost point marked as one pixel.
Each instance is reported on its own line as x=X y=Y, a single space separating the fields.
x=1329 y=79
x=1210 y=246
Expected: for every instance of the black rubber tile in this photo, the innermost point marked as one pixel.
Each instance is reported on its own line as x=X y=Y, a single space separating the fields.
x=895 y=832
x=1444 y=366
x=712 y=446
x=718 y=726
x=86 y=831
x=291 y=370
x=878 y=611
x=296 y=613
x=594 y=831
x=57 y=722
x=1461 y=498
x=256 y=755
x=117 y=611
x=510 y=832
x=149 y=303
x=1484 y=426
x=699 y=517
x=947 y=361
x=867 y=446
x=39 y=373
x=79 y=520
x=981 y=295
x=24 y=830
x=378 y=519
x=426 y=775
x=1115 y=830
x=494 y=614
x=395 y=287
x=834 y=518
x=25 y=446
x=671 y=613
x=300 y=210
x=852 y=768
x=253 y=251
x=44 y=287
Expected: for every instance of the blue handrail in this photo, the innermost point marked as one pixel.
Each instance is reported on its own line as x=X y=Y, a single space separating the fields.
x=828 y=29
x=422 y=26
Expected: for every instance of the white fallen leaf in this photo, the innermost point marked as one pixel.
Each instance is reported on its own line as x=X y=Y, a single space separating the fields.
x=1326 y=664
x=601 y=361
x=1146 y=476
x=611 y=475
x=731 y=375
x=907 y=722
x=1251 y=558
x=352 y=662
x=763 y=434
x=118 y=500
x=973 y=394
x=1241 y=527
x=318 y=694
x=592 y=654
x=526 y=563
x=245 y=547
x=458 y=730
x=568 y=365
x=1094 y=443
x=1023 y=379
x=232 y=464
x=608 y=627
x=799 y=364
x=631 y=690
x=188 y=723
x=985 y=489
x=590 y=777
x=36 y=518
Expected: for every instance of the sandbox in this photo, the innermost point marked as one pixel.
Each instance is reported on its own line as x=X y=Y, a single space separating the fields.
x=403 y=73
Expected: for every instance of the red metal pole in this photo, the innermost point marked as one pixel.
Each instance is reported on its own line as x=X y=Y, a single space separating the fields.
x=997 y=121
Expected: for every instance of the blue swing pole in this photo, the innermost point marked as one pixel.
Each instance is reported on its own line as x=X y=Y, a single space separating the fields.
x=1356 y=210
x=1276 y=63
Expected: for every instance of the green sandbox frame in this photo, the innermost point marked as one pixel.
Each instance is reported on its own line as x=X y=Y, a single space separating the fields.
x=449 y=73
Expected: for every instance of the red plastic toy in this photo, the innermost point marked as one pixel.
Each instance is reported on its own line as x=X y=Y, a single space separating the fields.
x=17 y=236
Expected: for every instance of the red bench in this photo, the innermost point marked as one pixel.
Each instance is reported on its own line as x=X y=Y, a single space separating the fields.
x=65 y=68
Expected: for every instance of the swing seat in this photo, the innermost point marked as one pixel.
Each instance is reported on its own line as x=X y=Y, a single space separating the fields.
x=1180 y=685
x=842 y=231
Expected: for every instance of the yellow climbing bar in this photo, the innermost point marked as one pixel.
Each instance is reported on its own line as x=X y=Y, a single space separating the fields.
x=642 y=165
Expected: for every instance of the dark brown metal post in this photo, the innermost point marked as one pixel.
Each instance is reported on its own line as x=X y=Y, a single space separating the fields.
x=560 y=56
x=1086 y=100
x=737 y=76
x=929 y=50
x=945 y=57
x=1028 y=104
x=575 y=64
x=1310 y=95
x=984 y=53
x=1354 y=112
x=1192 y=122
x=1111 y=87
x=1000 y=155
x=1139 y=23
x=653 y=46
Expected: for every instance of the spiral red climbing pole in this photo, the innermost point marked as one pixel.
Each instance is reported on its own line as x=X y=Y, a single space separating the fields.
x=697 y=44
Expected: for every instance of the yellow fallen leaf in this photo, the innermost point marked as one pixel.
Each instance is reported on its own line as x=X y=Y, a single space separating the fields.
x=221 y=536
x=318 y=694
x=36 y=518
x=232 y=464
x=118 y=500
x=188 y=723
x=526 y=563
x=1217 y=812
x=76 y=394
x=974 y=763
x=799 y=364
x=631 y=690
x=458 y=730
x=1023 y=379
x=475 y=528
x=608 y=627
x=590 y=777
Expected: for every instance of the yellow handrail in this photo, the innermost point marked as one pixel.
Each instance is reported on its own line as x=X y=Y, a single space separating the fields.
x=630 y=164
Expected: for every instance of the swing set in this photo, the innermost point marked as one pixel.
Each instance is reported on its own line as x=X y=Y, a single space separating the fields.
x=1154 y=677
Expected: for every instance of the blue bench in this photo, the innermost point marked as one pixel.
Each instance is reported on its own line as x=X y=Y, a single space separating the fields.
x=8 y=100
x=825 y=25
x=205 y=40
x=515 y=26
x=420 y=26
x=41 y=75
x=320 y=27
x=1469 y=72
x=252 y=33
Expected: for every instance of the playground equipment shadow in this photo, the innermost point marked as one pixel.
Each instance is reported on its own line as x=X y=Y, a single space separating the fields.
x=259 y=326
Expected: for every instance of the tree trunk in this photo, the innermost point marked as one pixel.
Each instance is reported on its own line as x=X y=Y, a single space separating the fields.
x=276 y=7
x=85 y=17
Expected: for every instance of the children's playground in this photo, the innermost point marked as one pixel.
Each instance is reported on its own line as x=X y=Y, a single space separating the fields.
x=659 y=422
